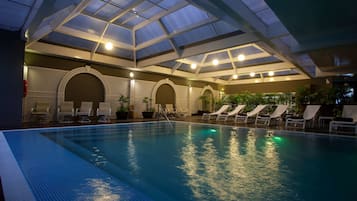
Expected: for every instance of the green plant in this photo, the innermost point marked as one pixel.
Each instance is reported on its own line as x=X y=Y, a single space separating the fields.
x=148 y=104
x=123 y=100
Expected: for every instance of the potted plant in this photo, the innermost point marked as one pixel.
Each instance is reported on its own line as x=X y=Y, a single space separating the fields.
x=122 y=111
x=149 y=110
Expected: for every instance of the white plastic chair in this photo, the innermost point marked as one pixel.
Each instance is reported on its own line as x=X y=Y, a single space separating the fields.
x=276 y=115
x=253 y=113
x=230 y=114
x=40 y=112
x=84 y=112
x=65 y=112
x=309 y=116
x=104 y=112
x=218 y=112
x=349 y=111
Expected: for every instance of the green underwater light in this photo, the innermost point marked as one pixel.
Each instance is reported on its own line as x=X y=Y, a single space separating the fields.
x=213 y=130
x=277 y=139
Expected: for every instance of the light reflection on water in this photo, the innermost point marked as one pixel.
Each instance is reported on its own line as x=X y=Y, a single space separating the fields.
x=98 y=190
x=248 y=169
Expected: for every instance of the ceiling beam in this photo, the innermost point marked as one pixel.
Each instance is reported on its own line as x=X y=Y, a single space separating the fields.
x=58 y=19
x=91 y=37
x=78 y=54
x=172 y=43
x=219 y=44
x=33 y=11
x=246 y=70
x=268 y=79
x=177 y=66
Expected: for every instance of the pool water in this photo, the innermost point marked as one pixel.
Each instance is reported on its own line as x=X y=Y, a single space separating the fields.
x=184 y=161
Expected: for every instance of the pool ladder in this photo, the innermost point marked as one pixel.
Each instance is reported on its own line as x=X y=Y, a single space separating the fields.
x=163 y=113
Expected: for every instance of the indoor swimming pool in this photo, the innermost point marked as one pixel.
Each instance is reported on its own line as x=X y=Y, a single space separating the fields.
x=182 y=161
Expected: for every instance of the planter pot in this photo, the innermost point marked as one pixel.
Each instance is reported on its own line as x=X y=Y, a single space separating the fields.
x=147 y=115
x=122 y=115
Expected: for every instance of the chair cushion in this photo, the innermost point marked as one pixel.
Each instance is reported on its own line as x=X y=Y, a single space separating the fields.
x=346 y=119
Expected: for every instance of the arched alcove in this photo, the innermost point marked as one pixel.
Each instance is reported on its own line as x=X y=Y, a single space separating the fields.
x=165 y=94
x=84 y=87
x=82 y=70
x=159 y=84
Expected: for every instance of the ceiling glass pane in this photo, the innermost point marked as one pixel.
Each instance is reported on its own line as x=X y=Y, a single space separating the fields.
x=151 y=31
x=117 y=33
x=87 y=24
x=69 y=41
x=184 y=17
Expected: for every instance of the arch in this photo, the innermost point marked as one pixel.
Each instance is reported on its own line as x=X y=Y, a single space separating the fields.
x=207 y=87
x=68 y=76
x=165 y=95
x=162 y=82
x=208 y=90
x=74 y=90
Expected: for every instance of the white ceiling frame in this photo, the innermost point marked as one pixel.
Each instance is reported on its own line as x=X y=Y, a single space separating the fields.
x=215 y=45
x=268 y=79
x=81 y=54
x=91 y=37
x=235 y=59
x=33 y=11
x=177 y=66
x=67 y=14
x=180 y=31
x=172 y=43
x=161 y=14
x=116 y=16
x=246 y=70
x=200 y=65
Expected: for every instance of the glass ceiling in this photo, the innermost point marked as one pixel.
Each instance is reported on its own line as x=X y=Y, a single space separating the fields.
x=144 y=31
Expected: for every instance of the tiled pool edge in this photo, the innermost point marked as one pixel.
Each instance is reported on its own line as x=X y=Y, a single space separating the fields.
x=15 y=186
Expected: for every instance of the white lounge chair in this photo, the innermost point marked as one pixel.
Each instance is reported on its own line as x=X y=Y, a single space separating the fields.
x=65 y=112
x=276 y=115
x=348 y=112
x=84 y=112
x=218 y=112
x=104 y=112
x=309 y=116
x=232 y=113
x=40 y=112
x=251 y=114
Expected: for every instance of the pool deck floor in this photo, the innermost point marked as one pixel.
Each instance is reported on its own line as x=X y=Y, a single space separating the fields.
x=195 y=119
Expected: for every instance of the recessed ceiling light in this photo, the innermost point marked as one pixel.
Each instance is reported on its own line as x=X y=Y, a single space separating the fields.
x=235 y=76
x=109 y=46
x=241 y=57
x=271 y=73
x=252 y=74
x=77 y=57
x=193 y=66
x=131 y=74
x=215 y=62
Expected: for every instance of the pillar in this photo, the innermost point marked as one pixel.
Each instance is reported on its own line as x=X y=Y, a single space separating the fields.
x=12 y=51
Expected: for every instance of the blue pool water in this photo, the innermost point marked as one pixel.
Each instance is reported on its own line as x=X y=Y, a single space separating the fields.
x=156 y=161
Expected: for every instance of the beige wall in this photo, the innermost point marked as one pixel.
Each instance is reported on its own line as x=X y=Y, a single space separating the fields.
x=43 y=84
